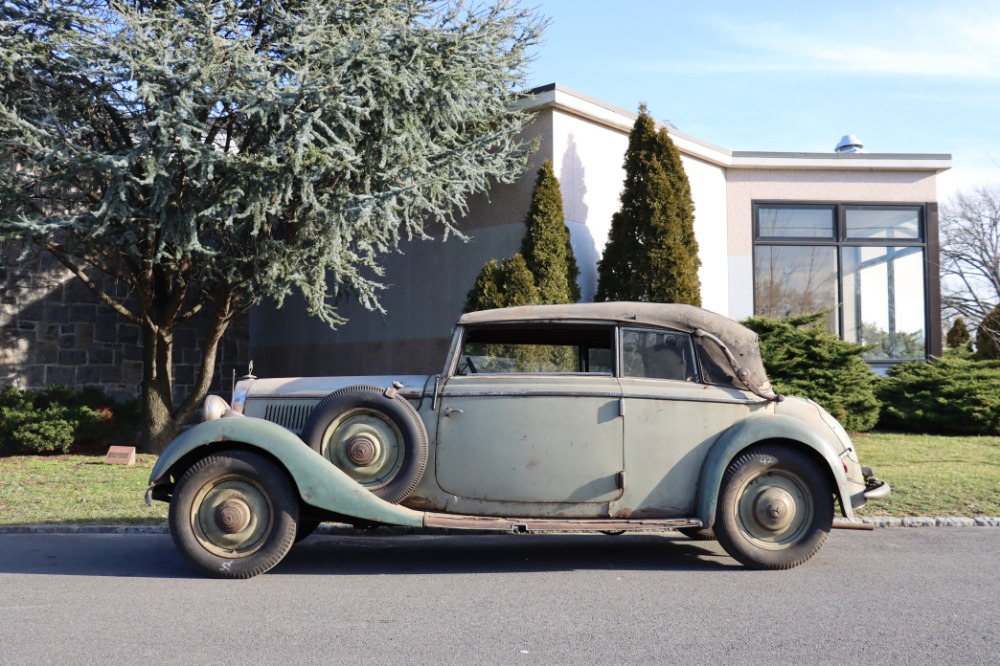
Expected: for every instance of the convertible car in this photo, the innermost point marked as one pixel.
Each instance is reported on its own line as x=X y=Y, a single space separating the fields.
x=601 y=417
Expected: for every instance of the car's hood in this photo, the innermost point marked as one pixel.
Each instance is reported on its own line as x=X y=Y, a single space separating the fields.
x=319 y=387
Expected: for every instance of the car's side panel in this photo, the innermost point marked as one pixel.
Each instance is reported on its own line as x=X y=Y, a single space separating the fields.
x=755 y=429
x=319 y=482
x=670 y=426
x=531 y=440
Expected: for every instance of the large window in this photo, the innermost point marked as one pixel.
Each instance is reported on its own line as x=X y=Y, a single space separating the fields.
x=863 y=263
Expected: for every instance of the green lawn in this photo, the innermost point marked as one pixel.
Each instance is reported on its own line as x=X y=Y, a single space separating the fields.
x=80 y=490
x=930 y=476
x=933 y=475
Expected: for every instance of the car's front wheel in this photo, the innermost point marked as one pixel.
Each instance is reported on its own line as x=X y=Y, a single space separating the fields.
x=233 y=514
x=775 y=508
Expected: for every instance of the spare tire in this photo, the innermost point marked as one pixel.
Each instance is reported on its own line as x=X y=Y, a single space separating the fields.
x=374 y=436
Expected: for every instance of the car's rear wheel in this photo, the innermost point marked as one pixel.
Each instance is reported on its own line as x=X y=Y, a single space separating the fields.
x=775 y=508
x=374 y=436
x=233 y=514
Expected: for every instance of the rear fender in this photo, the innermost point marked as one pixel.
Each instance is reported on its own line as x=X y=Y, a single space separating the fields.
x=319 y=482
x=759 y=429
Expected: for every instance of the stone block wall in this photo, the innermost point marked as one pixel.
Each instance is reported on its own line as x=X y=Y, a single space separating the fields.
x=54 y=330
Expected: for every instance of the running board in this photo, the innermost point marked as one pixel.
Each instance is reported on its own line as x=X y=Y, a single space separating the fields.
x=522 y=525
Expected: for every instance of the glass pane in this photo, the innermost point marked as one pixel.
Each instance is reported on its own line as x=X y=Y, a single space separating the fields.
x=882 y=222
x=884 y=301
x=495 y=358
x=794 y=222
x=657 y=355
x=793 y=280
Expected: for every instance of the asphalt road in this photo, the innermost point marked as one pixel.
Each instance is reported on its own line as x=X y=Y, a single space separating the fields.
x=892 y=596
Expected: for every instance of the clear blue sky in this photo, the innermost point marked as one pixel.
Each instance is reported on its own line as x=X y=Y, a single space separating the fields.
x=907 y=76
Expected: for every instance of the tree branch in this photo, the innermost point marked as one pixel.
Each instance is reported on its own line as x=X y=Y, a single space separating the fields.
x=63 y=259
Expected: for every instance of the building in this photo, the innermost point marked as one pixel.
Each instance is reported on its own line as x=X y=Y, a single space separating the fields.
x=779 y=233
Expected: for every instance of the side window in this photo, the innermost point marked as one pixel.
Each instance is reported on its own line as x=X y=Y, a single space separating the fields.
x=658 y=355
x=525 y=349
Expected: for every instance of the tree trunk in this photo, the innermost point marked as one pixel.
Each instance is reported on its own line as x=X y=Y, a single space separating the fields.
x=157 y=389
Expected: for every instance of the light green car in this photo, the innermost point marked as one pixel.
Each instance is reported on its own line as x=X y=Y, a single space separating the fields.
x=602 y=417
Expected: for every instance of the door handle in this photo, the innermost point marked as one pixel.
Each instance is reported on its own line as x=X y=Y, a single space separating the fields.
x=452 y=410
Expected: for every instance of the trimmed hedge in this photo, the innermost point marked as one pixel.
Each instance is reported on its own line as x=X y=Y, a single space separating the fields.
x=953 y=395
x=59 y=419
x=803 y=358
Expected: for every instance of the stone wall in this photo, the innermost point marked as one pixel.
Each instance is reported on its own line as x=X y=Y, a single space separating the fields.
x=53 y=330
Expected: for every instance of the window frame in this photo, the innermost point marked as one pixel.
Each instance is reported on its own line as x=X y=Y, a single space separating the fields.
x=927 y=240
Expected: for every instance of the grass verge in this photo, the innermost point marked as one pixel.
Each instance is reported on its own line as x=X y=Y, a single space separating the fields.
x=930 y=476
x=76 y=489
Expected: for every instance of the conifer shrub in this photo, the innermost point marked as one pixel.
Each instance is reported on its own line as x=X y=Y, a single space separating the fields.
x=803 y=358
x=988 y=336
x=953 y=395
x=958 y=335
x=59 y=419
x=546 y=246
x=502 y=285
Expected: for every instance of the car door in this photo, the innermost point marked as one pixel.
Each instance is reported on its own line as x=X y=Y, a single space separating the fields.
x=529 y=423
x=671 y=418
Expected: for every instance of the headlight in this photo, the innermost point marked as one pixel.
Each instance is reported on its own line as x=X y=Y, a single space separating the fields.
x=213 y=408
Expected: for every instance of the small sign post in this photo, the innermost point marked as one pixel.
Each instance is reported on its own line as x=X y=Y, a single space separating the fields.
x=120 y=455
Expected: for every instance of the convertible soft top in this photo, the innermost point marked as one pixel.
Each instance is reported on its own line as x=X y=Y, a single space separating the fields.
x=742 y=341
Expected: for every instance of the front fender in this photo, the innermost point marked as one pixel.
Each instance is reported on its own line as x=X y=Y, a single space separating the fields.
x=320 y=483
x=756 y=429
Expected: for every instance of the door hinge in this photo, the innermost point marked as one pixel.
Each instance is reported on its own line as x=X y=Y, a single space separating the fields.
x=620 y=480
x=621 y=406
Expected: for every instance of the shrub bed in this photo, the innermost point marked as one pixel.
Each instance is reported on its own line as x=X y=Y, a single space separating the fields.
x=60 y=420
x=952 y=395
x=803 y=358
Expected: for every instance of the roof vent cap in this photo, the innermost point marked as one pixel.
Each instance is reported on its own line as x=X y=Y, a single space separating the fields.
x=850 y=144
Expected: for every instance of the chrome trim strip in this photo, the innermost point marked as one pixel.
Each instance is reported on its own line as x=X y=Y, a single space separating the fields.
x=528 y=394
x=596 y=394
x=688 y=398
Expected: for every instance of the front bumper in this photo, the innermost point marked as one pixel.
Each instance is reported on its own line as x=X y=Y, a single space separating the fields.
x=879 y=491
x=874 y=489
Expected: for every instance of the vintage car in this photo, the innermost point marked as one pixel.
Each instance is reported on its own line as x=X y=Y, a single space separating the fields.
x=603 y=417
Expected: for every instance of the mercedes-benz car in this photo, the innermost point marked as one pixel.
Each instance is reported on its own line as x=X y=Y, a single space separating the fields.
x=602 y=417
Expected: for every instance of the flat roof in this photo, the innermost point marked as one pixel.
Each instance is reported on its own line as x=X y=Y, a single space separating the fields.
x=567 y=100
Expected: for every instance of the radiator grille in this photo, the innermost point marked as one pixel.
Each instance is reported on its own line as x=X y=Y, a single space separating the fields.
x=289 y=414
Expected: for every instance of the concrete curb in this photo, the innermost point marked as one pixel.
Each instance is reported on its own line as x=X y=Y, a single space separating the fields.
x=338 y=529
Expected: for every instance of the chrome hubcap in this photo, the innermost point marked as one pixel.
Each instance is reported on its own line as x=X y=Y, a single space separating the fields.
x=232 y=516
x=363 y=450
x=774 y=509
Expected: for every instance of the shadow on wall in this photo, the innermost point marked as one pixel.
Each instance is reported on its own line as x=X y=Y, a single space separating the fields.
x=574 y=190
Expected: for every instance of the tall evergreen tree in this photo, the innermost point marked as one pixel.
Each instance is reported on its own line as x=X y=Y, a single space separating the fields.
x=546 y=245
x=208 y=155
x=652 y=254
x=503 y=285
